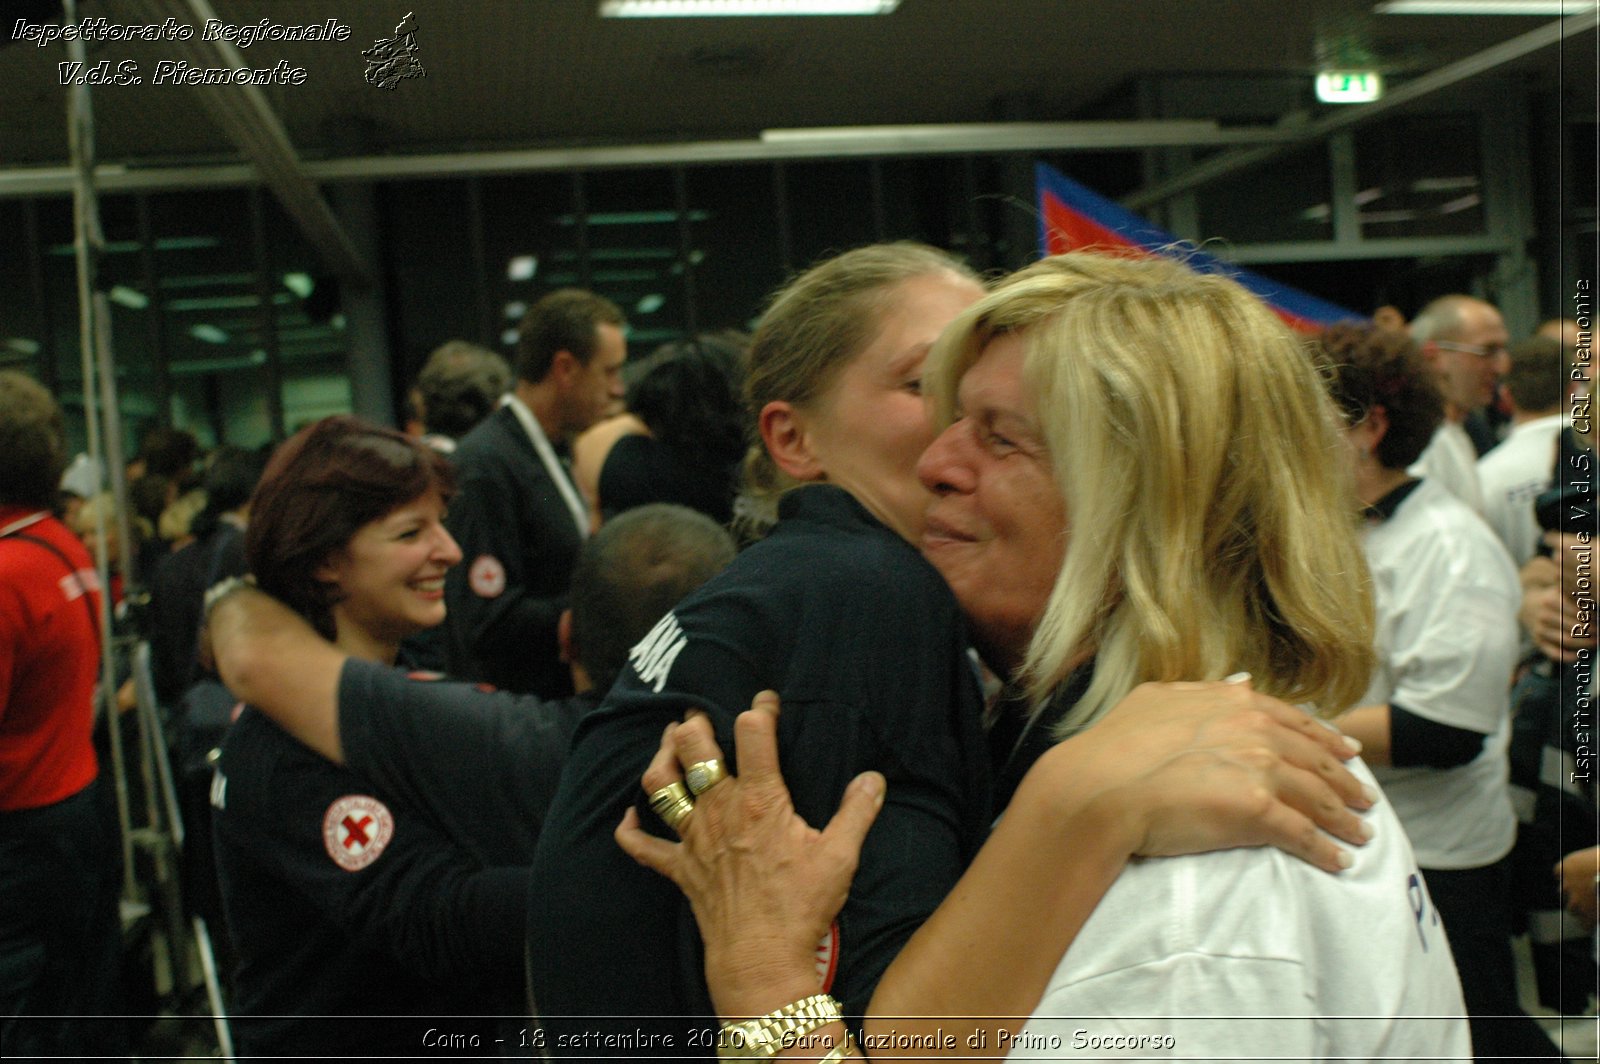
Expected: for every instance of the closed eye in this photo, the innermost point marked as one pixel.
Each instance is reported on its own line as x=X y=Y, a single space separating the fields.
x=997 y=442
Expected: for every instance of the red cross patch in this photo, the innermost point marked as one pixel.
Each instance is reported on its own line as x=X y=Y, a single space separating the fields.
x=487 y=576
x=355 y=830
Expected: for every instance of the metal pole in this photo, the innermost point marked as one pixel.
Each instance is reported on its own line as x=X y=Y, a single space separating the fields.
x=94 y=326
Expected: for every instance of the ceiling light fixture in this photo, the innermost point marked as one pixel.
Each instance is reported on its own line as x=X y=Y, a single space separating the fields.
x=1483 y=7
x=726 y=8
x=209 y=333
x=129 y=297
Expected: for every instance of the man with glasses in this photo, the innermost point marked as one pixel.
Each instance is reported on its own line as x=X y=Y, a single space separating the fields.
x=1464 y=341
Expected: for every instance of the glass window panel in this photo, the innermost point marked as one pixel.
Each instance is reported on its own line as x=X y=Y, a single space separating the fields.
x=213 y=325
x=139 y=401
x=530 y=247
x=1288 y=199
x=738 y=260
x=634 y=258
x=830 y=209
x=1420 y=175
x=308 y=328
x=24 y=343
x=434 y=292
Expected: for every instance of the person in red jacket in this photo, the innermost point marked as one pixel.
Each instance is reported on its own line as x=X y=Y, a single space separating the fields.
x=58 y=851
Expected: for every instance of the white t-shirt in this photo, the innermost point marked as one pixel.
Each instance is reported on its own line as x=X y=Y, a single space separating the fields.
x=1512 y=476
x=1253 y=953
x=1447 y=597
x=1451 y=460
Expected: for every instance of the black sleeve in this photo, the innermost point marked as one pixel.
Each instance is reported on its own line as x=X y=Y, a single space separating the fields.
x=481 y=765
x=430 y=905
x=1417 y=742
x=488 y=516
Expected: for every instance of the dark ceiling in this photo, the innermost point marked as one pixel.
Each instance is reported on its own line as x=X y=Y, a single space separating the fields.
x=520 y=74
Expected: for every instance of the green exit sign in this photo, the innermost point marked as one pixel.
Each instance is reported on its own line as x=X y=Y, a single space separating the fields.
x=1349 y=86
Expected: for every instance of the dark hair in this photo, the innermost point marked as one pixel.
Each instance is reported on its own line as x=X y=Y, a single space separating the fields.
x=33 y=445
x=151 y=494
x=321 y=486
x=1367 y=367
x=689 y=402
x=460 y=385
x=1537 y=379
x=636 y=568
x=230 y=479
x=168 y=452
x=564 y=320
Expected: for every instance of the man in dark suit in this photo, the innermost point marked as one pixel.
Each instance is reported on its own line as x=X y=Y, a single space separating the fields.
x=517 y=515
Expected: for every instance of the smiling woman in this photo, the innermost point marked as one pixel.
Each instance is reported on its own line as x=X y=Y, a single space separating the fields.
x=343 y=903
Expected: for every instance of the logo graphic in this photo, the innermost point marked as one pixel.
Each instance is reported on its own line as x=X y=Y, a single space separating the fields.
x=391 y=60
x=355 y=830
x=487 y=576
x=652 y=658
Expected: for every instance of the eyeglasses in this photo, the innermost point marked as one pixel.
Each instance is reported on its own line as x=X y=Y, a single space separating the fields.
x=1492 y=351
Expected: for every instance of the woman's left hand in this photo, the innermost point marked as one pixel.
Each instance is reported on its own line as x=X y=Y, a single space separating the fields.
x=1206 y=766
x=764 y=885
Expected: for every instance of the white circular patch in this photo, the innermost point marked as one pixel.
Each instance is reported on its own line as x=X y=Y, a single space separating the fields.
x=828 y=957
x=487 y=576
x=355 y=830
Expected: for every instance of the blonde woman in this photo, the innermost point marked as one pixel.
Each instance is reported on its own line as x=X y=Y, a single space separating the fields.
x=1138 y=480
x=838 y=611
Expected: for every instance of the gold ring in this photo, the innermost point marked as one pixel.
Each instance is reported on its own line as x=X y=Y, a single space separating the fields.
x=704 y=775
x=672 y=804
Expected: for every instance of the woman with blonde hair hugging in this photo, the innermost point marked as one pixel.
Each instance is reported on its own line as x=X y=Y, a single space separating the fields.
x=1138 y=479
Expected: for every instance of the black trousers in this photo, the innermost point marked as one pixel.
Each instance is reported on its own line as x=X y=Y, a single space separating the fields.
x=1475 y=904
x=60 y=932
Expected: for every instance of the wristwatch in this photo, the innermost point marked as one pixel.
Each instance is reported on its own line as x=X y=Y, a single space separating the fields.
x=766 y=1035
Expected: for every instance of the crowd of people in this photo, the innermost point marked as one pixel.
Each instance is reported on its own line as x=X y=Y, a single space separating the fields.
x=1145 y=677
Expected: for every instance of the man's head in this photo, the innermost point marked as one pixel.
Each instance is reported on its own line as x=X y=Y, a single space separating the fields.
x=571 y=342
x=33 y=449
x=1564 y=330
x=1463 y=340
x=459 y=386
x=636 y=568
x=1537 y=379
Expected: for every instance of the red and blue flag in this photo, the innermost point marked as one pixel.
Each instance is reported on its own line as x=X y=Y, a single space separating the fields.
x=1073 y=217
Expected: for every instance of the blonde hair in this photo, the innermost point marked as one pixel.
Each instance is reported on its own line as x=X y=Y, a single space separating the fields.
x=811 y=330
x=1213 y=523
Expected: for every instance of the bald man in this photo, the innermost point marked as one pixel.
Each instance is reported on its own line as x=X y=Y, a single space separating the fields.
x=1463 y=340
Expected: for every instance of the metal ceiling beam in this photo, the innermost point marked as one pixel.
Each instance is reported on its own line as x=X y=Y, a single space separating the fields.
x=1446 y=76
x=244 y=115
x=773 y=146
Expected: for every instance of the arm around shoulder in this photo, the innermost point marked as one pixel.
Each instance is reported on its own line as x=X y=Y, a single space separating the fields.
x=268 y=656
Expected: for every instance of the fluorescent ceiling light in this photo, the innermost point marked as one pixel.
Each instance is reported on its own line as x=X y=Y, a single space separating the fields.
x=1004 y=136
x=209 y=333
x=1444 y=184
x=724 y=8
x=129 y=297
x=1484 y=7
